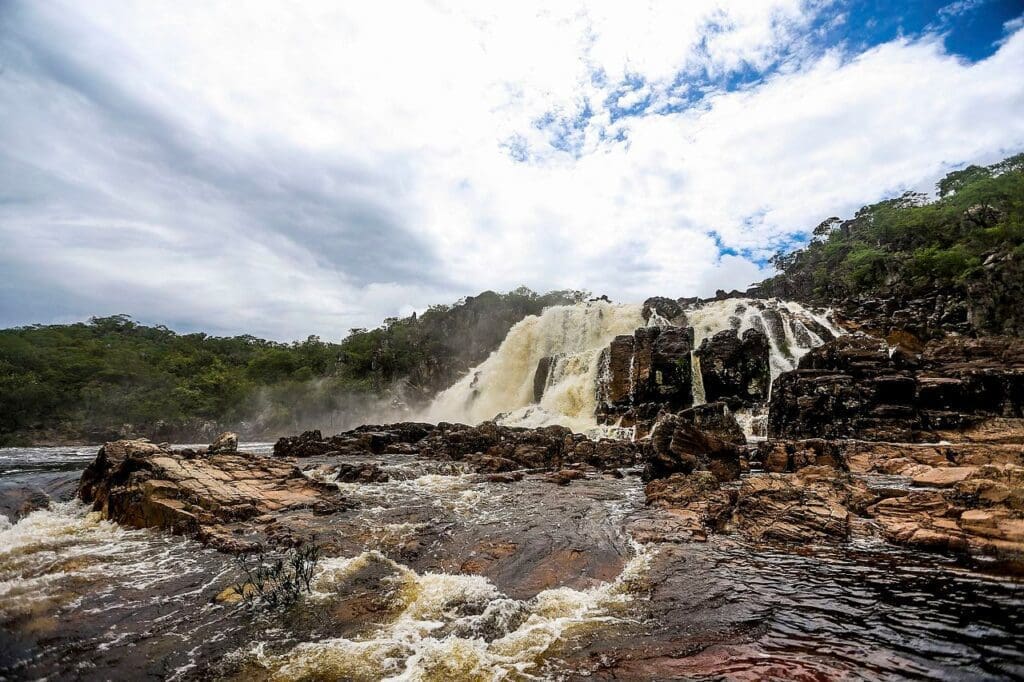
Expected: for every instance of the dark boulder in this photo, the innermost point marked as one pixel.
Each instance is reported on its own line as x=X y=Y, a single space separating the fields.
x=541 y=377
x=225 y=442
x=644 y=372
x=734 y=369
x=666 y=308
x=676 y=445
x=359 y=473
x=614 y=388
x=715 y=419
x=306 y=444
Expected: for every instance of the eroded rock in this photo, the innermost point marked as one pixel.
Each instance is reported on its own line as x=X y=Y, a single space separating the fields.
x=677 y=446
x=735 y=369
x=858 y=387
x=220 y=498
x=224 y=443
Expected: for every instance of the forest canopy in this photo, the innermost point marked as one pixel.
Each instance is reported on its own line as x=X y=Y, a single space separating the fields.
x=918 y=242
x=86 y=380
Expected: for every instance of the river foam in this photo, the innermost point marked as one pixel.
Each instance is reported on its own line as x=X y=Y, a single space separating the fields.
x=449 y=626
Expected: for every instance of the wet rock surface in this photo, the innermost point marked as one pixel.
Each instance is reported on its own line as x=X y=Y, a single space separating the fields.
x=650 y=367
x=678 y=445
x=960 y=498
x=227 y=500
x=488 y=447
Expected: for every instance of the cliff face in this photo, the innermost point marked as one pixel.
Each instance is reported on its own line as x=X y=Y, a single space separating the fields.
x=857 y=387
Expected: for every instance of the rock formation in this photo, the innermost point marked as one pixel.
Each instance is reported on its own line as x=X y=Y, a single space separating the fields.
x=859 y=387
x=735 y=369
x=940 y=423
x=679 y=445
x=233 y=501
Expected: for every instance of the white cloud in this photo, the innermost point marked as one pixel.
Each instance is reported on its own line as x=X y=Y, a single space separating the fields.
x=289 y=134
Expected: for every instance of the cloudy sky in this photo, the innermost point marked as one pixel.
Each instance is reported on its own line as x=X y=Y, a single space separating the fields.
x=285 y=169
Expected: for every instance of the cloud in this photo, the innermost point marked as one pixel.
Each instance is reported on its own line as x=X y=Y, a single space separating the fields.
x=306 y=168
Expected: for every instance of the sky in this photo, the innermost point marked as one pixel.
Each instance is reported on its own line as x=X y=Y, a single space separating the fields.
x=285 y=169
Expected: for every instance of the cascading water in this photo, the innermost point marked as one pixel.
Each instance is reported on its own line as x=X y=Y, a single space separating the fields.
x=792 y=331
x=573 y=336
x=697 y=380
x=790 y=327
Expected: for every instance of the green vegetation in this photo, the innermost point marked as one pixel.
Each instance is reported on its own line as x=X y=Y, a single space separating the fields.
x=915 y=243
x=279 y=581
x=85 y=381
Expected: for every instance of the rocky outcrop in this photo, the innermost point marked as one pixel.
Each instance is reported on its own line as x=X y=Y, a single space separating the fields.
x=987 y=303
x=307 y=444
x=650 y=366
x=489 y=447
x=229 y=500
x=973 y=510
x=541 y=377
x=735 y=369
x=963 y=497
x=778 y=456
x=859 y=387
x=678 y=446
x=813 y=505
x=368 y=439
x=715 y=419
x=366 y=472
x=224 y=443
x=668 y=310
x=995 y=292
x=551 y=447
x=615 y=384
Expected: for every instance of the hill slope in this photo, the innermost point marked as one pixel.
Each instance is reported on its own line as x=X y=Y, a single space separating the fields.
x=90 y=381
x=920 y=265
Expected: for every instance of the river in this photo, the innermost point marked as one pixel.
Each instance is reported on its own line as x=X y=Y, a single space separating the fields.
x=455 y=577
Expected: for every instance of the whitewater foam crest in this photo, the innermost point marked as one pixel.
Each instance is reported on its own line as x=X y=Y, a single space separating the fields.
x=49 y=554
x=450 y=627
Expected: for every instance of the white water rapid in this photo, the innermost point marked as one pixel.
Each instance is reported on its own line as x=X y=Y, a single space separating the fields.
x=788 y=325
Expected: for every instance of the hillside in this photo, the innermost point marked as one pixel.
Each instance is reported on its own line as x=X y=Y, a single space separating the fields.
x=922 y=265
x=91 y=380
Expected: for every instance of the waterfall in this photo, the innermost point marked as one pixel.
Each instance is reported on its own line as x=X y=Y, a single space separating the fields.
x=792 y=329
x=571 y=339
x=697 y=380
x=573 y=336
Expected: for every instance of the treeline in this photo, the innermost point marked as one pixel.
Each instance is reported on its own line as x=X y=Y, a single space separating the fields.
x=914 y=243
x=111 y=376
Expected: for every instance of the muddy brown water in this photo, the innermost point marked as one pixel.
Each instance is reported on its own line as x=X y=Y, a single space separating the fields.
x=451 y=577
